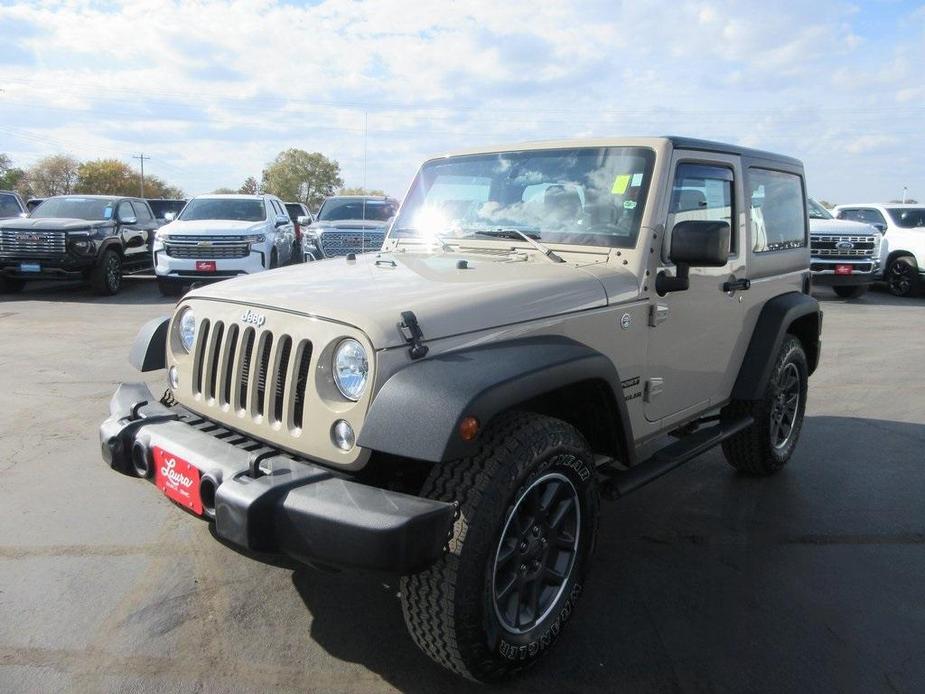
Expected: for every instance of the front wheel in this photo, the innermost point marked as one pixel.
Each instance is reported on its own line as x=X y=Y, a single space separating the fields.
x=766 y=446
x=106 y=275
x=902 y=276
x=847 y=292
x=519 y=554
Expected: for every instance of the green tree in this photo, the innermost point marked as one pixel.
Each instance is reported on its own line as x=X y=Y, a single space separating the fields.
x=250 y=186
x=155 y=187
x=54 y=175
x=360 y=190
x=107 y=177
x=297 y=175
x=11 y=177
x=224 y=191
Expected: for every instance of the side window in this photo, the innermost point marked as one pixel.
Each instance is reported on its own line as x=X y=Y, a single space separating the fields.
x=125 y=210
x=9 y=206
x=703 y=192
x=778 y=210
x=141 y=211
x=279 y=209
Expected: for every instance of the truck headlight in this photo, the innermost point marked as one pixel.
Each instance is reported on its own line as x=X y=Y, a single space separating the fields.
x=351 y=369
x=255 y=238
x=186 y=328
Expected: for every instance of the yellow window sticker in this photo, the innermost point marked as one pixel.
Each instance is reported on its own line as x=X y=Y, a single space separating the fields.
x=620 y=183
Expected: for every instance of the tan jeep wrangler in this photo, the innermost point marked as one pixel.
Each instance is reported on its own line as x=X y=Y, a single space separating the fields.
x=545 y=323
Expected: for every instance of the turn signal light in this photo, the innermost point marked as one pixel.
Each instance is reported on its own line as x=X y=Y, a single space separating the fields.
x=468 y=428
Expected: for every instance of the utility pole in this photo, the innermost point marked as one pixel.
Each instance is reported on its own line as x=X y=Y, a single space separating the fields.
x=904 y=195
x=142 y=158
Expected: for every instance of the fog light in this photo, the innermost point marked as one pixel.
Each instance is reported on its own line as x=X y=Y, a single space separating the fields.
x=343 y=435
x=173 y=378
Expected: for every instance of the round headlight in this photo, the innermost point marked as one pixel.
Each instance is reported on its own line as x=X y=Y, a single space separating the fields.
x=351 y=369
x=186 y=328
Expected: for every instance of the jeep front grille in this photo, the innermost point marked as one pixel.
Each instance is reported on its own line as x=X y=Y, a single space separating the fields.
x=337 y=242
x=252 y=372
x=32 y=244
x=829 y=246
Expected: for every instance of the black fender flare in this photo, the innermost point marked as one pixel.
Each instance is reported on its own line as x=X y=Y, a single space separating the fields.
x=113 y=242
x=417 y=411
x=793 y=312
x=149 y=350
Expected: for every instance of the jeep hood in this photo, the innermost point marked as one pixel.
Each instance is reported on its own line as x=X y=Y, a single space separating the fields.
x=840 y=227
x=372 y=291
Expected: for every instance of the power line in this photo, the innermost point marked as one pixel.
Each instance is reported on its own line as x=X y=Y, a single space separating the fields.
x=141 y=157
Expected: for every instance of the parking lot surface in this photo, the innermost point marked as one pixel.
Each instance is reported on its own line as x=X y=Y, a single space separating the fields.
x=704 y=581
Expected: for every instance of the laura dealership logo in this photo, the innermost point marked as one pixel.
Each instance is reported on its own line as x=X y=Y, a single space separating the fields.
x=177 y=478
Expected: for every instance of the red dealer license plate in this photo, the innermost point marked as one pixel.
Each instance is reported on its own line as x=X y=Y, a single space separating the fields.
x=205 y=266
x=843 y=269
x=177 y=479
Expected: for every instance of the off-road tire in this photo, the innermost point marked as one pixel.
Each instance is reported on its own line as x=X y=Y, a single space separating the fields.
x=168 y=288
x=106 y=275
x=11 y=285
x=851 y=292
x=751 y=451
x=902 y=276
x=450 y=607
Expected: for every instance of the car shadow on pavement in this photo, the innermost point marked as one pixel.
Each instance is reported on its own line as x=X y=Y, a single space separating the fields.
x=134 y=291
x=876 y=296
x=712 y=580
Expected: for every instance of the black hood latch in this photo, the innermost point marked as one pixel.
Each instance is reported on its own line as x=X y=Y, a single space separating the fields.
x=411 y=332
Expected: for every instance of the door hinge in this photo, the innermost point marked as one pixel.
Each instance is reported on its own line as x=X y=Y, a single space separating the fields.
x=654 y=387
x=658 y=313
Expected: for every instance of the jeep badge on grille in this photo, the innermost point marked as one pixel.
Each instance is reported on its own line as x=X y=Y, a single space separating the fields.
x=254 y=318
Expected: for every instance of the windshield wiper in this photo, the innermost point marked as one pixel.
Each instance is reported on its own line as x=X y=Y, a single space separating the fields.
x=511 y=233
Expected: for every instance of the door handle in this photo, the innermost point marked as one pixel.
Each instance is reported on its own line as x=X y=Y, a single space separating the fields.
x=737 y=285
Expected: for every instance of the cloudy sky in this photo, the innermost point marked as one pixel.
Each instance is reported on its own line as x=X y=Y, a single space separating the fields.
x=211 y=90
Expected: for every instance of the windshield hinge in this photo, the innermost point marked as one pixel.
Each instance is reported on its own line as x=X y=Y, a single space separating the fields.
x=411 y=332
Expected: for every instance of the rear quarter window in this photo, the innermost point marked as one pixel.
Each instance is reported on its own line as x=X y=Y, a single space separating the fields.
x=778 y=210
x=9 y=206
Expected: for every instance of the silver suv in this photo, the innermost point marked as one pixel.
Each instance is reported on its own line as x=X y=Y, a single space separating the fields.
x=452 y=408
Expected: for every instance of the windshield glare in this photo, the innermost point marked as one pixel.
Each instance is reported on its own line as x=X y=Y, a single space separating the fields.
x=589 y=196
x=91 y=209
x=908 y=217
x=229 y=209
x=817 y=211
x=339 y=210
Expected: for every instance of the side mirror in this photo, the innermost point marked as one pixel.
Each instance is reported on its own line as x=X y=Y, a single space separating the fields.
x=879 y=226
x=128 y=220
x=23 y=214
x=304 y=221
x=170 y=216
x=281 y=223
x=694 y=243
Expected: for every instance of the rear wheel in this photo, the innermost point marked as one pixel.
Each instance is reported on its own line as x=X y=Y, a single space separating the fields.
x=516 y=564
x=11 y=285
x=846 y=292
x=106 y=275
x=902 y=276
x=766 y=446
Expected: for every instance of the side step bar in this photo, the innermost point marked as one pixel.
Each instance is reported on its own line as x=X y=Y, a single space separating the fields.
x=672 y=456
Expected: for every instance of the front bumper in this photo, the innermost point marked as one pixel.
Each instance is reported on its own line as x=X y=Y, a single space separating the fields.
x=864 y=271
x=264 y=501
x=184 y=269
x=64 y=267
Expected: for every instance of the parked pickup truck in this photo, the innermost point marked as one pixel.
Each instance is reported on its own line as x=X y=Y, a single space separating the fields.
x=845 y=255
x=346 y=224
x=452 y=408
x=96 y=238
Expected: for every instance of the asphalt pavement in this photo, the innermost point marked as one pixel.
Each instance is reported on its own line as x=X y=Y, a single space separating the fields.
x=813 y=580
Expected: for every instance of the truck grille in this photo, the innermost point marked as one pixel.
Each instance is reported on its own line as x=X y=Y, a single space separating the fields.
x=32 y=244
x=341 y=242
x=207 y=247
x=253 y=372
x=837 y=246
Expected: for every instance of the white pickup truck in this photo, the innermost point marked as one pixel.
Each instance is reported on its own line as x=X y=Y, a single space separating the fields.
x=845 y=254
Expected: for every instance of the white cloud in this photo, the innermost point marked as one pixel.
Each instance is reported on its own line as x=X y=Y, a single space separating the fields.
x=213 y=90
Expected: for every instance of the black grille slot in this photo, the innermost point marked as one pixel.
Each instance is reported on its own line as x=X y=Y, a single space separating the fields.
x=215 y=356
x=282 y=368
x=305 y=358
x=262 y=374
x=202 y=347
x=232 y=343
x=246 y=354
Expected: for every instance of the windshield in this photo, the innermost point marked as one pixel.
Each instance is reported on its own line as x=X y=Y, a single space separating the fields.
x=233 y=209
x=589 y=196
x=817 y=211
x=908 y=217
x=334 y=210
x=92 y=209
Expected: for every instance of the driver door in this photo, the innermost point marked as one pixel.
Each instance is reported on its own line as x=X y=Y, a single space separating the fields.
x=695 y=334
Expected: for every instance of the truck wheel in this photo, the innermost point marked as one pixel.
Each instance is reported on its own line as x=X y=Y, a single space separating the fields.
x=106 y=275
x=274 y=260
x=766 y=446
x=846 y=292
x=902 y=276
x=11 y=285
x=519 y=553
